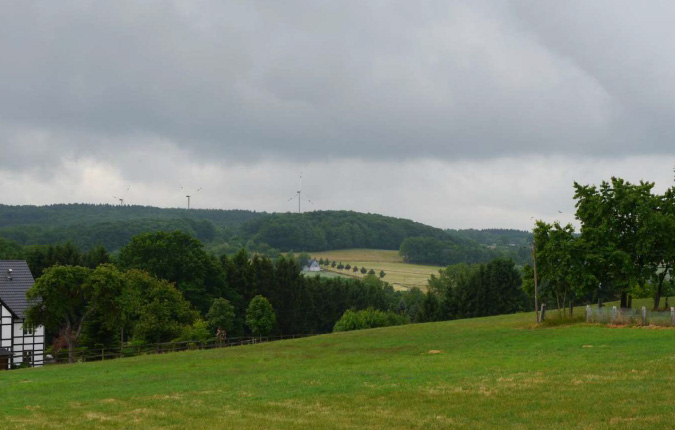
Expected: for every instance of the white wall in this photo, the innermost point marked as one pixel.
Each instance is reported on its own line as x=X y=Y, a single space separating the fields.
x=32 y=341
x=5 y=328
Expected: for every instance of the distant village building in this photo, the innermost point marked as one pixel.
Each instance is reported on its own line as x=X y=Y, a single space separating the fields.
x=19 y=345
x=312 y=266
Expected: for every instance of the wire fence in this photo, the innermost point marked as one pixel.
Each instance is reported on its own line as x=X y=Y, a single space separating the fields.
x=134 y=350
x=622 y=316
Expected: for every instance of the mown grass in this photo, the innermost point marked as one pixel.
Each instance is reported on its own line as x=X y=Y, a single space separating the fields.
x=487 y=373
x=398 y=273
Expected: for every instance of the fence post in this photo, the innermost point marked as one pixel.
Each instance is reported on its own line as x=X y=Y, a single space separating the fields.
x=588 y=313
x=672 y=316
x=614 y=314
x=543 y=312
x=644 y=315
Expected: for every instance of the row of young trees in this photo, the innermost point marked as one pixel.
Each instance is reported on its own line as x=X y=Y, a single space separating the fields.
x=338 y=265
x=626 y=246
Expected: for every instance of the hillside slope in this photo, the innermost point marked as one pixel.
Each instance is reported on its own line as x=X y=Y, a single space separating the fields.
x=490 y=373
x=88 y=225
x=324 y=230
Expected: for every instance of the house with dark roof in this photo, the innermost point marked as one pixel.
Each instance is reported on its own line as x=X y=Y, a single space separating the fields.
x=312 y=266
x=19 y=345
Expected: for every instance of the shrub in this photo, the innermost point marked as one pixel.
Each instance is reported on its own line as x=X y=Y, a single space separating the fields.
x=368 y=318
x=199 y=331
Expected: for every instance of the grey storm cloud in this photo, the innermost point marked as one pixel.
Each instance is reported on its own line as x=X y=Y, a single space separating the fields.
x=386 y=80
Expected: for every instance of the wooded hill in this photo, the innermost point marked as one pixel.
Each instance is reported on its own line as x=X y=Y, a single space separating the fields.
x=227 y=231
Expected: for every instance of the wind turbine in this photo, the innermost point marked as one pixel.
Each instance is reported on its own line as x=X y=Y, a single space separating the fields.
x=121 y=199
x=190 y=195
x=299 y=196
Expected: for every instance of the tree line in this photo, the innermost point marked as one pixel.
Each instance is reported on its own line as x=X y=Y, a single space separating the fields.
x=165 y=286
x=445 y=252
x=474 y=290
x=624 y=248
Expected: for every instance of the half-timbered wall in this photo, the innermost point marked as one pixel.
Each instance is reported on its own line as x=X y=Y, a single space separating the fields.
x=5 y=328
x=23 y=345
x=28 y=345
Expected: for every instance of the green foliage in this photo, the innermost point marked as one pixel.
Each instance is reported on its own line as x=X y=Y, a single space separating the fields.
x=450 y=250
x=371 y=272
x=220 y=314
x=626 y=241
x=382 y=274
x=368 y=318
x=41 y=257
x=322 y=230
x=413 y=304
x=66 y=298
x=163 y=311
x=561 y=264
x=303 y=259
x=466 y=291
x=10 y=250
x=364 y=270
x=260 y=317
x=198 y=331
x=87 y=225
x=178 y=258
x=431 y=308
x=95 y=257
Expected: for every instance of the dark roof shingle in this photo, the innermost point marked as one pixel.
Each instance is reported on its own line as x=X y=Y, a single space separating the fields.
x=13 y=291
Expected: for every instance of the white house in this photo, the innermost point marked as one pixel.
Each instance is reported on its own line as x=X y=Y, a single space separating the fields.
x=312 y=266
x=17 y=345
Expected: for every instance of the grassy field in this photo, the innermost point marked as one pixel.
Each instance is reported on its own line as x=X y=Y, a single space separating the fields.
x=488 y=373
x=398 y=273
x=326 y=274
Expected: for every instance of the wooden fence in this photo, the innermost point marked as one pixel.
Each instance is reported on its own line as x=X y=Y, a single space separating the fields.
x=134 y=350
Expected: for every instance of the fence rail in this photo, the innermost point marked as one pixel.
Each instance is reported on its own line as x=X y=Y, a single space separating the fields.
x=135 y=350
x=621 y=316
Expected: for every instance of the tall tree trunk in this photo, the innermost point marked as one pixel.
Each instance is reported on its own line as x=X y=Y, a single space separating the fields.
x=657 y=298
x=624 y=299
x=659 y=289
x=557 y=300
x=71 y=351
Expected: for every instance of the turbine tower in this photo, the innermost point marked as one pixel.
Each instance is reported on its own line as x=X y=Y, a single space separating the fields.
x=298 y=195
x=190 y=195
x=121 y=199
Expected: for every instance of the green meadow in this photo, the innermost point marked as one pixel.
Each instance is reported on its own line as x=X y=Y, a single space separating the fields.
x=487 y=373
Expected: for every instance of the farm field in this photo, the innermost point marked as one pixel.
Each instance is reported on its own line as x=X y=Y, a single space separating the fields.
x=400 y=274
x=326 y=274
x=486 y=373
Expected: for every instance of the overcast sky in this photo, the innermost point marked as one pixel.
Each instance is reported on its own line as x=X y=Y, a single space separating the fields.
x=453 y=113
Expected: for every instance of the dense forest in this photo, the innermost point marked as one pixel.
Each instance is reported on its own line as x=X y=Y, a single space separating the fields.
x=224 y=232
x=324 y=230
x=460 y=248
x=164 y=286
x=88 y=225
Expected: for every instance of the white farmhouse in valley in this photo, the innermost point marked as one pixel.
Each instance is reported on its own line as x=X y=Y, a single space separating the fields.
x=19 y=345
x=312 y=266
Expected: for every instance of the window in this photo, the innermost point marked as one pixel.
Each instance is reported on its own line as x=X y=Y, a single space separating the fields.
x=28 y=331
